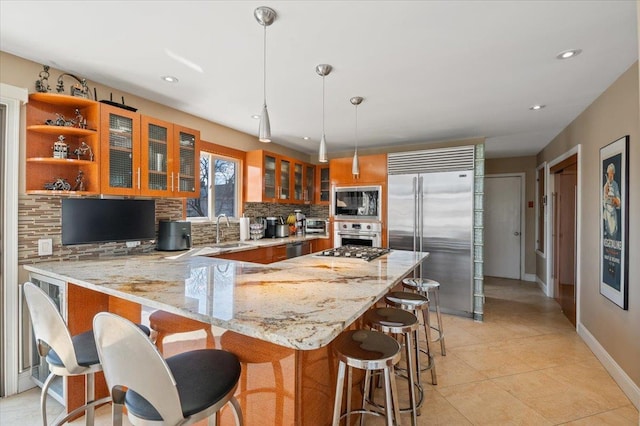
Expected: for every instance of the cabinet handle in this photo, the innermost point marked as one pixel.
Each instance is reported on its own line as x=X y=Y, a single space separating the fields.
x=178 y=186
x=139 y=177
x=171 y=181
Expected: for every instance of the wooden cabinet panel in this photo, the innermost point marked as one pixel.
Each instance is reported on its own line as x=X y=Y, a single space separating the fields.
x=157 y=157
x=120 y=151
x=310 y=183
x=80 y=161
x=147 y=156
x=273 y=178
x=323 y=185
x=321 y=244
x=373 y=169
x=186 y=166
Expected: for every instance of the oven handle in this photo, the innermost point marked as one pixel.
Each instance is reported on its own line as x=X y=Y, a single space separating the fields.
x=350 y=234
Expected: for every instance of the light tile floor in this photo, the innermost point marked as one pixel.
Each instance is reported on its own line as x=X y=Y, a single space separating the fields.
x=524 y=365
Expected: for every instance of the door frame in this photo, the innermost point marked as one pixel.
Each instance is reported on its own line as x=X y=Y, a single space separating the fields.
x=523 y=210
x=551 y=284
x=13 y=97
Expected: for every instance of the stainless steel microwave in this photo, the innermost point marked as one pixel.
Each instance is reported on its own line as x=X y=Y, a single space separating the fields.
x=357 y=202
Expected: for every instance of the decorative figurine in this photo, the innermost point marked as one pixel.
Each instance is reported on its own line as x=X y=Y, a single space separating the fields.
x=80 y=121
x=61 y=121
x=81 y=89
x=82 y=151
x=60 y=148
x=59 y=184
x=42 y=85
x=79 y=186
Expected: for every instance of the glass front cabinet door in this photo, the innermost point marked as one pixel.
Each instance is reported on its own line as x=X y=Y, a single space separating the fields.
x=120 y=151
x=185 y=176
x=157 y=157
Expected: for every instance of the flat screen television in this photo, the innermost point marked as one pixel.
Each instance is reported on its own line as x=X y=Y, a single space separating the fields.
x=94 y=220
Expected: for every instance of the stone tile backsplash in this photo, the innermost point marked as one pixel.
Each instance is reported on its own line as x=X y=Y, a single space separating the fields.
x=39 y=216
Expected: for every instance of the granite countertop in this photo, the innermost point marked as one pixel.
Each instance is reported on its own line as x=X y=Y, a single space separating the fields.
x=300 y=303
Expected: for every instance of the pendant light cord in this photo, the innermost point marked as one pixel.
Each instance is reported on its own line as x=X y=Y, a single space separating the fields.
x=323 y=105
x=356 y=129
x=264 y=66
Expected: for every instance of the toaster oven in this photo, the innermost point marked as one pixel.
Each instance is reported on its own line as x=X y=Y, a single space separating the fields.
x=316 y=225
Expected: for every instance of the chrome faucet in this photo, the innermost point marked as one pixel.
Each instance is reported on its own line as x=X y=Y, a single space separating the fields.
x=218 y=226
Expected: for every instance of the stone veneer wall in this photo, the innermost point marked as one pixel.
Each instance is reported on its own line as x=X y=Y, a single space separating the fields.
x=204 y=233
x=40 y=216
x=253 y=210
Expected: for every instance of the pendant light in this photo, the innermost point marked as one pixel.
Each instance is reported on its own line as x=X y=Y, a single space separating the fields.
x=355 y=165
x=323 y=70
x=265 y=17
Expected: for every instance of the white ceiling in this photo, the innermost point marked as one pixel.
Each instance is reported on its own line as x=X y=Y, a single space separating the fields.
x=429 y=70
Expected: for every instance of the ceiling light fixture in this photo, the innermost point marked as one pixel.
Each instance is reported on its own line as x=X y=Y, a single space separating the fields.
x=255 y=116
x=265 y=17
x=568 y=54
x=536 y=107
x=169 y=79
x=306 y=138
x=323 y=70
x=355 y=165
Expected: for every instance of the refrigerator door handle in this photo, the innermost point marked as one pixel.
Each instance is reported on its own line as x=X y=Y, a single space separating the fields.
x=415 y=212
x=420 y=212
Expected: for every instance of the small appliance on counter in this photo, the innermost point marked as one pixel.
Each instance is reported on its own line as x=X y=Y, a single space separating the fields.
x=174 y=235
x=316 y=225
x=270 y=227
x=300 y=222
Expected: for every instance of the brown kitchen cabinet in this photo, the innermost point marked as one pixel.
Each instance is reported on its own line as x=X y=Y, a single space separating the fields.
x=263 y=255
x=119 y=151
x=373 y=170
x=320 y=244
x=309 y=183
x=303 y=182
x=41 y=165
x=186 y=165
x=147 y=156
x=276 y=178
x=323 y=185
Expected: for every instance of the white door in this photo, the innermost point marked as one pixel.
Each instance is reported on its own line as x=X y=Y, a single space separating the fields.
x=502 y=210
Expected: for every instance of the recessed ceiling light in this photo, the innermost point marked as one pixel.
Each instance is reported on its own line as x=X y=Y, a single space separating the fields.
x=568 y=53
x=169 y=79
x=255 y=116
x=306 y=138
x=536 y=107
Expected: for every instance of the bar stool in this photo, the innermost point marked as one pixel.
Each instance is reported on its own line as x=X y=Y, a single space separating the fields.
x=424 y=286
x=415 y=302
x=399 y=322
x=370 y=351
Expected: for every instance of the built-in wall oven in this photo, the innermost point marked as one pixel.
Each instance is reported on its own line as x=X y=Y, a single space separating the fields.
x=357 y=233
x=361 y=203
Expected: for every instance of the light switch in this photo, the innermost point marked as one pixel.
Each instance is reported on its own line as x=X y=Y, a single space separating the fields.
x=45 y=247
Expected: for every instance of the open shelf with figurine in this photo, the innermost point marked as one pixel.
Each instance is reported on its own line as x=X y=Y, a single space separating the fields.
x=62 y=146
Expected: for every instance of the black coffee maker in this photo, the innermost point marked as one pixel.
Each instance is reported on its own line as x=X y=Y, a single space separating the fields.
x=270 y=226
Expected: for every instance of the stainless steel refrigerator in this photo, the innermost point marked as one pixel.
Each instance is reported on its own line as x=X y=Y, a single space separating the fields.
x=433 y=212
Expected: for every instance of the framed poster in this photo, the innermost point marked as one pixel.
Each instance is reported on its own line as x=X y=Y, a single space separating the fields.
x=614 y=229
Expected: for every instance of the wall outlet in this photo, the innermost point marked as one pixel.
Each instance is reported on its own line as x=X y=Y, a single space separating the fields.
x=45 y=247
x=132 y=244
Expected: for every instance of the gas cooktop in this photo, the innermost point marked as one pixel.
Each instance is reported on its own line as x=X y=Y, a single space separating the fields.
x=357 y=252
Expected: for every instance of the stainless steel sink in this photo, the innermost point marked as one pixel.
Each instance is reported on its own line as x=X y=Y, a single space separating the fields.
x=231 y=245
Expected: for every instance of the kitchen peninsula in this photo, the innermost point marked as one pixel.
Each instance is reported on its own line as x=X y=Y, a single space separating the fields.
x=284 y=315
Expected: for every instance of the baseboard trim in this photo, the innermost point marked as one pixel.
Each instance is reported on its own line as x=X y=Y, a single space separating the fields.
x=621 y=378
x=542 y=285
x=529 y=277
